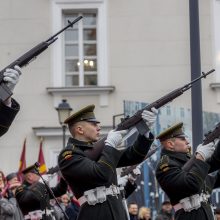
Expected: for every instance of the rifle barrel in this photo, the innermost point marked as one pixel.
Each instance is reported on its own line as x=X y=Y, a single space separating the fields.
x=69 y=25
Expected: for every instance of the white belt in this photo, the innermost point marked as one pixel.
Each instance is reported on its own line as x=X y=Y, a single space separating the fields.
x=177 y=207
x=37 y=214
x=98 y=195
x=191 y=203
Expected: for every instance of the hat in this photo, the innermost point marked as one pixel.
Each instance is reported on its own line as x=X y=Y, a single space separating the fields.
x=85 y=114
x=166 y=202
x=11 y=176
x=30 y=169
x=172 y=132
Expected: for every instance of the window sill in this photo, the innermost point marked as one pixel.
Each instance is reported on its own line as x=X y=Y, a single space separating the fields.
x=77 y=91
x=215 y=85
x=101 y=91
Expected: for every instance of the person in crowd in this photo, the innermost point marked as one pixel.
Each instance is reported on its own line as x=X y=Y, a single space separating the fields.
x=94 y=183
x=2 y=180
x=133 y=210
x=9 y=107
x=166 y=212
x=72 y=209
x=217 y=213
x=9 y=209
x=64 y=201
x=33 y=196
x=184 y=180
x=144 y=213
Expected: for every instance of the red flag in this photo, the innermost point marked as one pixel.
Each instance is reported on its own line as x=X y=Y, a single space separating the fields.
x=22 y=162
x=41 y=161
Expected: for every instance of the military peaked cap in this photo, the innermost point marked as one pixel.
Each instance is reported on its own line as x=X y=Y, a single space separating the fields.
x=172 y=132
x=85 y=114
x=30 y=169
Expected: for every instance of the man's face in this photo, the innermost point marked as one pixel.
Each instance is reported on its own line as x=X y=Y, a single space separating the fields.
x=31 y=178
x=177 y=144
x=167 y=208
x=87 y=131
x=133 y=209
x=181 y=144
x=13 y=180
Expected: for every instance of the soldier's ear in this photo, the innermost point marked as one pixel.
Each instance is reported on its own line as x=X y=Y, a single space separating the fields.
x=80 y=129
x=170 y=145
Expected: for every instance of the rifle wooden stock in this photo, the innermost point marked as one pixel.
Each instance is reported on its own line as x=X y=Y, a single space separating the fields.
x=94 y=153
x=212 y=135
x=26 y=58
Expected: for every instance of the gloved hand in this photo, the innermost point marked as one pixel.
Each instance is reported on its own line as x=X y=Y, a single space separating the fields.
x=122 y=180
x=132 y=177
x=150 y=117
x=114 y=138
x=136 y=171
x=206 y=151
x=11 y=77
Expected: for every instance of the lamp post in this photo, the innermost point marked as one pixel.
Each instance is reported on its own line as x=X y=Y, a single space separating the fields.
x=64 y=111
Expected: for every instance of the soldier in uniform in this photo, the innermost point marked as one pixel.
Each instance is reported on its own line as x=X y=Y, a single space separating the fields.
x=9 y=108
x=186 y=183
x=94 y=183
x=33 y=197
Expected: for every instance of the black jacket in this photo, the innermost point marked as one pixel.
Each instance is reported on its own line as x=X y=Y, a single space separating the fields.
x=179 y=183
x=7 y=115
x=83 y=174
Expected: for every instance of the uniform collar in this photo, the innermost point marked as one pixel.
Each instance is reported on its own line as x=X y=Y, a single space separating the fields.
x=81 y=144
x=178 y=155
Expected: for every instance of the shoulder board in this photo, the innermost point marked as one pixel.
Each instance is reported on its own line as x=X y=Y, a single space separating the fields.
x=68 y=152
x=164 y=163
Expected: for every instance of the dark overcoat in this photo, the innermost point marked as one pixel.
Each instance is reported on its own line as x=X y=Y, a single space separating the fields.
x=7 y=115
x=83 y=174
x=36 y=196
x=179 y=183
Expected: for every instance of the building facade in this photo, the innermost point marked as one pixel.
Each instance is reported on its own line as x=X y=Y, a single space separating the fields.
x=120 y=50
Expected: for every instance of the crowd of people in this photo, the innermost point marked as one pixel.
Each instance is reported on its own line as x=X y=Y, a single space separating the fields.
x=98 y=191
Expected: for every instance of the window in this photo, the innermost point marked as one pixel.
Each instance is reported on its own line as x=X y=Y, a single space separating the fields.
x=80 y=56
x=182 y=113
x=168 y=110
x=80 y=46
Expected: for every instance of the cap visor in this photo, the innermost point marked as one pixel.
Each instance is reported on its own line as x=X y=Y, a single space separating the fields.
x=93 y=120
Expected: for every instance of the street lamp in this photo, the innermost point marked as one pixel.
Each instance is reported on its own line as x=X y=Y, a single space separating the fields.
x=64 y=111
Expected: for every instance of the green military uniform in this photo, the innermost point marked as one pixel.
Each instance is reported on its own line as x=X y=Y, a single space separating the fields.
x=178 y=182
x=83 y=174
x=7 y=115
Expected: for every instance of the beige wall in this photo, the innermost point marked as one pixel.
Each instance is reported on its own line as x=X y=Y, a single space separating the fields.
x=148 y=55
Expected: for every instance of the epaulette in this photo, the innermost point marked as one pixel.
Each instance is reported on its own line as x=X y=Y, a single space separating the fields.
x=19 y=189
x=164 y=163
x=68 y=152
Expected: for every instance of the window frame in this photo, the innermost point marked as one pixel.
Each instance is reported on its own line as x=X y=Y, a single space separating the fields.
x=58 y=61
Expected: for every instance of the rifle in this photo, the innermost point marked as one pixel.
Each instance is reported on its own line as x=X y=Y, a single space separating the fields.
x=127 y=170
x=136 y=119
x=26 y=58
x=212 y=135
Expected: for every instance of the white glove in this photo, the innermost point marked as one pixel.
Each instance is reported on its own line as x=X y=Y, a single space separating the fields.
x=114 y=138
x=122 y=180
x=206 y=151
x=136 y=171
x=150 y=117
x=11 y=77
